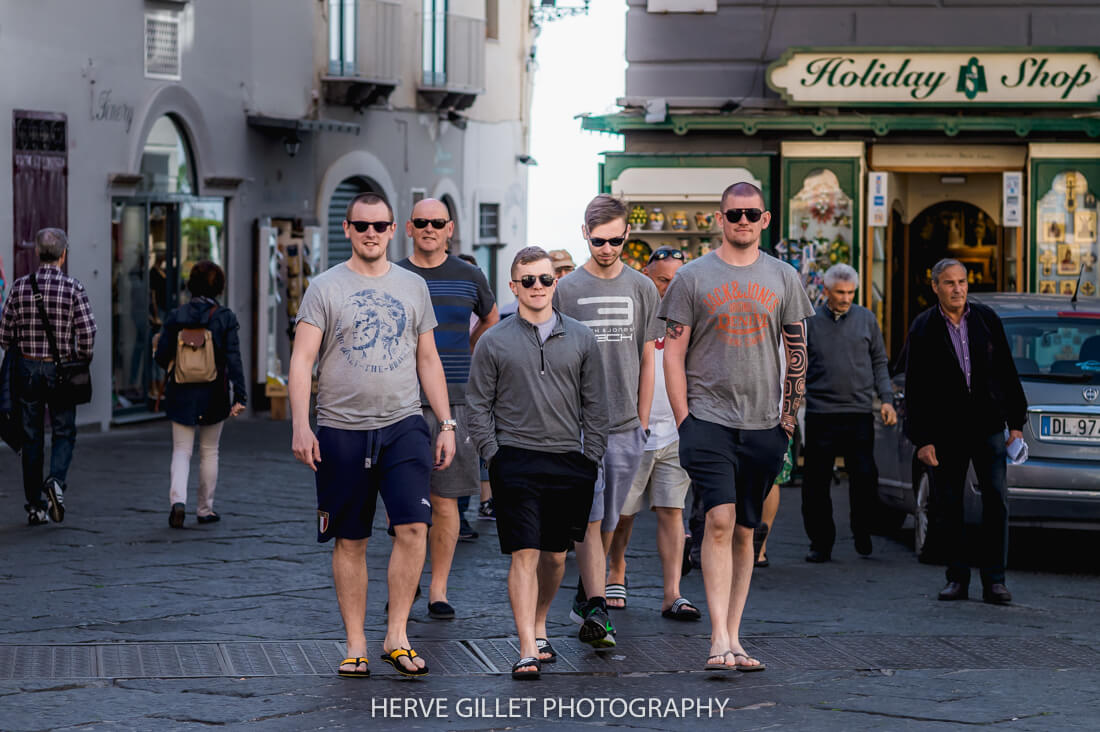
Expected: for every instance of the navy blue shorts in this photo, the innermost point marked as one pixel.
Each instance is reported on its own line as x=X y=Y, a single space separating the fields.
x=729 y=465
x=358 y=465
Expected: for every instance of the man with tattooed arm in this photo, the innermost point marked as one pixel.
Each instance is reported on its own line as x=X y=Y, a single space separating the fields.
x=725 y=316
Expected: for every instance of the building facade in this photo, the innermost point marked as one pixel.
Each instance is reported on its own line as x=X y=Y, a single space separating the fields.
x=162 y=132
x=883 y=134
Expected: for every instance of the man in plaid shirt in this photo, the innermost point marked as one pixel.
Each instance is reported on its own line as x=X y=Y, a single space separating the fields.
x=21 y=327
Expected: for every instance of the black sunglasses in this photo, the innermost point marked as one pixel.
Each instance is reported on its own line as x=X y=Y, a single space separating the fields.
x=734 y=214
x=666 y=254
x=436 y=223
x=528 y=281
x=616 y=241
x=362 y=226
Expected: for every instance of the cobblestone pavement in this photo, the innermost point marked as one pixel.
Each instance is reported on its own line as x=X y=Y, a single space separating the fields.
x=112 y=620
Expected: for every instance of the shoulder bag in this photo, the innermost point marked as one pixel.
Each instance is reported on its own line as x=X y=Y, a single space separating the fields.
x=74 y=379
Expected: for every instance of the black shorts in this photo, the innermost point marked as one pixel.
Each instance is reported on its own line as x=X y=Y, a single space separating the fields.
x=729 y=465
x=542 y=499
x=358 y=465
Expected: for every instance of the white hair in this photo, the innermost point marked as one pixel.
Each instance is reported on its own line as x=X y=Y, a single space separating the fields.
x=841 y=273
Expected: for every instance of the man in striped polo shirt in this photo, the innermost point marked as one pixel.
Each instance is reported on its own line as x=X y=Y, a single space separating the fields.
x=457 y=290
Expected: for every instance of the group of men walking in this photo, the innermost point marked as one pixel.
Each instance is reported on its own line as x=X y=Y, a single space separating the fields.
x=608 y=389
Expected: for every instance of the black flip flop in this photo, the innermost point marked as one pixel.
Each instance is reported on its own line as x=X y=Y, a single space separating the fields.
x=682 y=609
x=354 y=673
x=544 y=647
x=529 y=661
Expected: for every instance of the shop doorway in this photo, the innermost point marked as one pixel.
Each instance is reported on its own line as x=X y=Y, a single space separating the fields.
x=157 y=236
x=955 y=229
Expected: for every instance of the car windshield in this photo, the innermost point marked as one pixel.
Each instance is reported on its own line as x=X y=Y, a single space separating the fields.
x=1055 y=348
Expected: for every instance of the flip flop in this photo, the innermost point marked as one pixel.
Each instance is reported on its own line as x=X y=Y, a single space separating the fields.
x=529 y=661
x=762 y=562
x=682 y=609
x=391 y=659
x=615 y=591
x=544 y=647
x=718 y=666
x=743 y=667
x=353 y=674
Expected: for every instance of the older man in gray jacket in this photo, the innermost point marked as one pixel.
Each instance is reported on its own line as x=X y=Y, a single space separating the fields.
x=846 y=368
x=537 y=381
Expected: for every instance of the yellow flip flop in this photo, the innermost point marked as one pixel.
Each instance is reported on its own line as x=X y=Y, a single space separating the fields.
x=391 y=659
x=354 y=673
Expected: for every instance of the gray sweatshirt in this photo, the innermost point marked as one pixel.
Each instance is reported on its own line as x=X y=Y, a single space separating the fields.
x=538 y=396
x=846 y=362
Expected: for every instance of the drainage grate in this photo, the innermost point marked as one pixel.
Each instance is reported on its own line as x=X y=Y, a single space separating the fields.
x=496 y=656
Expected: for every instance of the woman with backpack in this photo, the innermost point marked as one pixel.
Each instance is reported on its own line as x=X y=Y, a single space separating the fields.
x=200 y=349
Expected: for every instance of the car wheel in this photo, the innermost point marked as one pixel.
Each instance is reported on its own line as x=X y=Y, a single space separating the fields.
x=926 y=539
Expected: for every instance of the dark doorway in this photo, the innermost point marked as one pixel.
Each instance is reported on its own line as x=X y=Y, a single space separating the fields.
x=40 y=173
x=958 y=230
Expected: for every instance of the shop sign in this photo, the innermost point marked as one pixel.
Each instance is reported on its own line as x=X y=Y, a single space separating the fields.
x=943 y=77
x=1013 y=183
x=876 y=199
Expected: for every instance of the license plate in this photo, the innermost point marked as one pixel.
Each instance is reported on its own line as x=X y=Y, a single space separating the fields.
x=1072 y=427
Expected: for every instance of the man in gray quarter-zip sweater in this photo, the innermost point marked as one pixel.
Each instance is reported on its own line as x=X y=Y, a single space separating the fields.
x=537 y=411
x=846 y=366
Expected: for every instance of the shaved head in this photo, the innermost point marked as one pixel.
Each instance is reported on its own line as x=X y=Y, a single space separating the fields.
x=430 y=208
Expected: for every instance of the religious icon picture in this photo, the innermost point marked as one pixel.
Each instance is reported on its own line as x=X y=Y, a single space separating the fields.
x=1068 y=287
x=1047 y=287
x=1084 y=226
x=1068 y=261
x=1047 y=259
x=1087 y=288
x=1052 y=227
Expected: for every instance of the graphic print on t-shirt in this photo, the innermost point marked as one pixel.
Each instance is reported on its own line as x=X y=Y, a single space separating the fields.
x=742 y=314
x=369 y=331
x=618 y=325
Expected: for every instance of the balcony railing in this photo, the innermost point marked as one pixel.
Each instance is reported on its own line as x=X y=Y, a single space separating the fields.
x=376 y=68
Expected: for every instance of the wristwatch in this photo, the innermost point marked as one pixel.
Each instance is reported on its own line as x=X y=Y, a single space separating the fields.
x=448 y=425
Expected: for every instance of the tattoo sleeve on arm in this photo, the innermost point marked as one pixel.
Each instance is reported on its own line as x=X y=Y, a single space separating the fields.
x=794 y=387
x=673 y=329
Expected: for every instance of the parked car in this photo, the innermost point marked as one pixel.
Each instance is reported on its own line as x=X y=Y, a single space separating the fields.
x=1056 y=347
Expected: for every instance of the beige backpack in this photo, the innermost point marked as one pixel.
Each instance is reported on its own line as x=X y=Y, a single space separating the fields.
x=195 y=363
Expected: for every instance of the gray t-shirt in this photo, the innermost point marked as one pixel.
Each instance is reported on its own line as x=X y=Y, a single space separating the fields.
x=736 y=314
x=545 y=329
x=367 y=377
x=622 y=312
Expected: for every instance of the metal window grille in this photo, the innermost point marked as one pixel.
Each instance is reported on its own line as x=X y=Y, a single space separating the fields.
x=488 y=222
x=162 y=47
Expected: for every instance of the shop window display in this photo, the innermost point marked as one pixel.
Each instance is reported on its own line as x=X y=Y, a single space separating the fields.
x=819 y=231
x=1066 y=237
x=690 y=227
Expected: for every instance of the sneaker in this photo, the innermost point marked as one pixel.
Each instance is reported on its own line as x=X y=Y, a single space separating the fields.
x=597 y=630
x=175 y=518
x=37 y=517
x=55 y=497
x=465 y=531
x=576 y=613
x=486 y=512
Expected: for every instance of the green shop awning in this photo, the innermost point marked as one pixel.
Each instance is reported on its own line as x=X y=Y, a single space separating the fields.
x=822 y=124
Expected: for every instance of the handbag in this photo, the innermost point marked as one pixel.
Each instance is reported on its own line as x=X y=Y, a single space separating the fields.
x=74 y=378
x=11 y=422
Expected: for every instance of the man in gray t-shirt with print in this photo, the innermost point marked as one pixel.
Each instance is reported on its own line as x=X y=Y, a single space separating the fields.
x=620 y=305
x=725 y=314
x=371 y=323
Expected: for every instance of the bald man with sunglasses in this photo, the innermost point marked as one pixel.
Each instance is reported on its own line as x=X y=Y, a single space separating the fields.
x=458 y=289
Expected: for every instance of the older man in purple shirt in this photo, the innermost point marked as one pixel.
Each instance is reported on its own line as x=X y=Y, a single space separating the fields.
x=962 y=390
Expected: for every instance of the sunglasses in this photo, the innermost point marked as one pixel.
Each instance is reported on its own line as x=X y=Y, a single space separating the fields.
x=616 y=241
x=362 y=226
x=436 y=223
x=734 y=214
x=528 y=281
x=667 y=254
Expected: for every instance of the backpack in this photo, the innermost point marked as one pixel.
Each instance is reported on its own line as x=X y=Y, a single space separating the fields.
x=195 y=363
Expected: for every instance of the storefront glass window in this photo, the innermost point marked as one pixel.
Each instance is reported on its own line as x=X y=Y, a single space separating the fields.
x=1066 y=236
x=819 y=232
x=166 y=160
